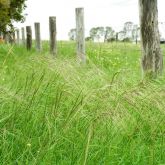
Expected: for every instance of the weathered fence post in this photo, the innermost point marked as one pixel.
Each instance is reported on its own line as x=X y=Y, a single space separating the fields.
x=23 y=36
x=37 y=36
x=18 y=36
x=29 y=37
x=80 y=35
x=52 y=30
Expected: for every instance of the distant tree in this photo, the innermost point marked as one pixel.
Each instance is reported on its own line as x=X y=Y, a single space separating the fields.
x=135 y=33
x=152 y=59
x=111 y=39
x=121 y=35
x=100 y=33
x=11 y=10
x=109 y=33
x=127 y=39
x=128 y=27
x=97 y=33
x=93 y=33
x=88 y=39
x=72 y=34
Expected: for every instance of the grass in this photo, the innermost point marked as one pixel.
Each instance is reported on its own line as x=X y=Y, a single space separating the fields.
x=55 y=111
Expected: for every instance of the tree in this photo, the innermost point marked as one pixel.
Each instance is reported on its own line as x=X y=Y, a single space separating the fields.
x=93 y=33
x=72 y=34
x=100 y=33
x=11 y=10
x=121 y=35
x=4 y=15
x=109 y=34
x=128 y=27
x=88 y=39
x=152 y=59
x=135 y=33
x=97 y=33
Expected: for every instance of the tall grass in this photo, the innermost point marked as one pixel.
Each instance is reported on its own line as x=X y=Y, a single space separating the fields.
x=55 y=111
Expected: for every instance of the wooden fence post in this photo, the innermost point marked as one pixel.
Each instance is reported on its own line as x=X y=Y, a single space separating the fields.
x=23 y=36
x=29 y=37
x=18 y=36
x=37 y=36
x=52 y=30
x=80 y=35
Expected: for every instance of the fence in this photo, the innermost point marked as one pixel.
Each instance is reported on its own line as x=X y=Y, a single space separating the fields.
x=26 y=40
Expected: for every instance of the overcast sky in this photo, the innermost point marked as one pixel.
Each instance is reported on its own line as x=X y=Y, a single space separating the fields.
x=112 y=13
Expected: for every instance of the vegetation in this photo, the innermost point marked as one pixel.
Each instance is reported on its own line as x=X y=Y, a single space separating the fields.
x=11 y=10
x=130 y=32
x=72 y=34
x=55 y=111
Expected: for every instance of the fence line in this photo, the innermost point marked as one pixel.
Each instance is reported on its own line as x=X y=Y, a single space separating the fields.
x=80 y=49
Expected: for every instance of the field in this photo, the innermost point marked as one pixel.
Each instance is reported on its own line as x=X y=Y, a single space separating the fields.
x=56 y=111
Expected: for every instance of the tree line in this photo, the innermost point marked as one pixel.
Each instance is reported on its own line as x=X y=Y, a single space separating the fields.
x=130 y=32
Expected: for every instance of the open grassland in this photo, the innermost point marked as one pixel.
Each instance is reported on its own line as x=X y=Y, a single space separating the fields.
x=56 y=111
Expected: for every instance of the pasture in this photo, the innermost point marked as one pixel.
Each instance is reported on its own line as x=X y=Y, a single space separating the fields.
x=57 y=111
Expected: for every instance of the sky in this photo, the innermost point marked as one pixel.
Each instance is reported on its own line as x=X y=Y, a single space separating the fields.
x=112 y=13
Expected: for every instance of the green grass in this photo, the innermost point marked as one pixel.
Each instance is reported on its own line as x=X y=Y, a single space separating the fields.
x=56 y=111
